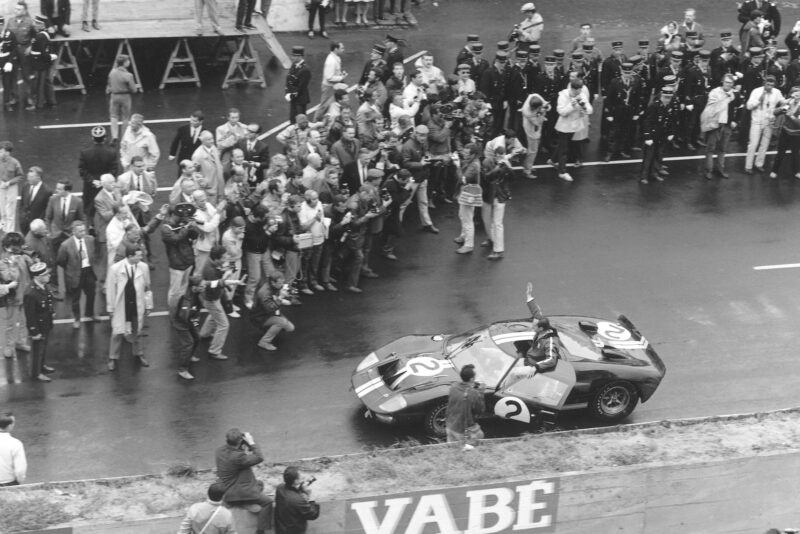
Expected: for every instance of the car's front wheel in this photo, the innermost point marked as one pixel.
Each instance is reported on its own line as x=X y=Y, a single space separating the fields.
x=436 y=420
x=614 y=401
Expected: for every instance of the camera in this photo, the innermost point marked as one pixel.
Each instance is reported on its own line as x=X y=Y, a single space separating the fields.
x=374 y=207
x=385 y=196
x=343 y=189
x=310 y=481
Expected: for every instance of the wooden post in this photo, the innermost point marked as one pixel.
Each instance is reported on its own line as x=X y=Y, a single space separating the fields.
x=245 y=66
x=178 y=60
x=65 y=60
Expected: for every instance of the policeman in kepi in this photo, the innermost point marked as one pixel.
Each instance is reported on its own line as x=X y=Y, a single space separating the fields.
x=297 y=84
x=38 y=305
x=9 y=62
x=41 y=61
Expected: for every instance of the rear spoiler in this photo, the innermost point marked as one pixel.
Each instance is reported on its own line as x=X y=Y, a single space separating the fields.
x=624 y=321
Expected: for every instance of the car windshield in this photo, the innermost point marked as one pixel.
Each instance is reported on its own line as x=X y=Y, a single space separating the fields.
x=478 y=349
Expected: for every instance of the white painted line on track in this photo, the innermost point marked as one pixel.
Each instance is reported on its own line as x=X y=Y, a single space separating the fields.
x=89 y=124
x=639 y=160
x=775 y=267
x=105 y=318
x=350 y=89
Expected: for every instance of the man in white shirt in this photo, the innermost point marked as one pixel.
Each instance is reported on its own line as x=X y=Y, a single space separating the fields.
x=311 y=170
x=431 y=75
x=207 y=220
x=414 y=91
x=209 y=516
x=13 y=465
x=229 y=133
x=332 y=74
x=762 y=104
x=311 y=218
x=138 y=140
x=530 y=29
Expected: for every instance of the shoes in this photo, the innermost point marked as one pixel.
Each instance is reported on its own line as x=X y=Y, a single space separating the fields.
x=691 y=147
x=194 y=359
x=143 y=361
x=644 y=181
x=294 y=301
x=447 y=200
x=369 y=274
x=707 y=175
x=723 y=173
x=354 y=289
x=234 y=314
x=43 y=378
x=748 y=171
x=565 y=176
x=324 y=34
x=30 y=107
x=773 y=175
x=658 y=178
x=186 y=375
x=663 y=171
x=759 y=169
x=464 y=250
x=316 y=287
x=85 y=26
x=240 y=29
x=310 y=35
x=46 y=369
x=23 y=348
x=607 y=158
x=551 y=162
x=389 y=255
x=95 y=25
x=331 y=287
x=487 y=243
x=216 y=30
x=306 y=291
x=578 y=164
x=430 y=228
x=220 y=357
x=529 y=175
x=266 y=345
x=467 y=447
x=700 y=143
x=76 y=324
x=625 y=155
x=797 y=175
x=459 y=240
x=249 y=26
x=112 y=365
x=248 y=304
x=494 y=256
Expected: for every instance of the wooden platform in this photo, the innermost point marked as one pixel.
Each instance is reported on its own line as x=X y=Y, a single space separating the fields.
x=124 y=21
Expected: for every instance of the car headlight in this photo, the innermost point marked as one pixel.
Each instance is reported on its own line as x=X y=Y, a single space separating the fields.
x=367 y=362
x=394 y=404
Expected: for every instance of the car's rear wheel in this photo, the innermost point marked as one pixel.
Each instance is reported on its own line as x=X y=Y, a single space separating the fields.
x=614 y=401
x=436 y=420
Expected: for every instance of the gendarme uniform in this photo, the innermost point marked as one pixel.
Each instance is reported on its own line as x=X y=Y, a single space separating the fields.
x=9 y=62
x=297 y=81
x=38 y=304
x=41 y=60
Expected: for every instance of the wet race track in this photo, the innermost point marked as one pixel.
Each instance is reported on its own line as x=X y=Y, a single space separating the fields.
x=677 y=258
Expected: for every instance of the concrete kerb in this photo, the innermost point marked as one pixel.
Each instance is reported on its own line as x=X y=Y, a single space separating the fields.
x=159 y=521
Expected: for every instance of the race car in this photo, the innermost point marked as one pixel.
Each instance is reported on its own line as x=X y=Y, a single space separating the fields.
x=605 y=367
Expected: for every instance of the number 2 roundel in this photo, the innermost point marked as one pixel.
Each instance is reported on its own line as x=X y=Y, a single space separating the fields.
x=512 y=408
x=613 y=331
x=426 y=366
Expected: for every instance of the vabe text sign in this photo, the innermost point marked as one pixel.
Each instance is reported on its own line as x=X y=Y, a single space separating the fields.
x=511 y=507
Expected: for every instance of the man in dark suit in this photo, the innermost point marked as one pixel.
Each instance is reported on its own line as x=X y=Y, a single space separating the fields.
x=297 y=84
x=256 y=152
x=354 y=174
x=35 y=196
x=93 y=162
x=63 y=209
x=186 y=140
x=76 y=257
x=235 y=461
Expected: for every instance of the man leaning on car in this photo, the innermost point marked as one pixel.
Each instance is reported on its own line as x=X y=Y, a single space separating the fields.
x=466 y=400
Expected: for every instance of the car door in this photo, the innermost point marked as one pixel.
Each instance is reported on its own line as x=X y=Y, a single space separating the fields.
x=547 y=390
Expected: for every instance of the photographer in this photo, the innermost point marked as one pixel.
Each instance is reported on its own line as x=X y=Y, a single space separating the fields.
x=496 y=175
x=530 y=29
x=465 y=401
x=470 y=197
x=442 y=184
x=178 y=234
x=788 y=134
x=355 y=223
x=294 y=506
x=398 y=189
x=414 y=158
x=379 y=203
x=416 y=93
x=574 y=111
x=534 y=110
x=235 y=461
x=184 y=316
x=717 y=121
x=266 y=312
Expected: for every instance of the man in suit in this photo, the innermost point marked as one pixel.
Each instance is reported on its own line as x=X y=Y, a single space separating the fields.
x=35 y=196
x=297 y=84
x=256 y=152
x=207 y=158
x=127 y=285
x=354 y=174
x=63 y=209
x=104 y=203
x=187 y=139
x=94 y=162
x=76 y=257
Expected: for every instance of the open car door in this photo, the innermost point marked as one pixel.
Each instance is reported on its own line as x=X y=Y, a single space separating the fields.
x=548 y=390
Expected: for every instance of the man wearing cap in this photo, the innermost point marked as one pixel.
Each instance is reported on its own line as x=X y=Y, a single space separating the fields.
x=698 y=85
x=465 y=54
x=530 y=29
x=750 y=34
x=517 y=90
x=691 y=26
x=585 y=35
x=656 y=131
x=41 y=62
x=375 y=61
x=35 y=196
x=9 y=62
x=718 y=119
x=769 y=10
x=297 y=81
x=559 y=54
x=621 y=108
x=612 y=66
x=332 y=74
x=532 y=67
x=93 y=162
x=478 y=64
x=22 y=27
x=548 y=84
x=493 y=85
x=38 y=303
x=393 y=52
x=792 y=41
x=724 y=58
x=762 y=103
x=414 y=157
x=779 y=69
x=120 y=87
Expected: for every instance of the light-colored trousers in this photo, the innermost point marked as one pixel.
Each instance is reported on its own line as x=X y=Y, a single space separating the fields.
x=8 y=207
x=420 y=192
x=178 y=282
x=492 y=215
x=760 y=135
x=211 y=7
x=466 y=214
x=95 y=5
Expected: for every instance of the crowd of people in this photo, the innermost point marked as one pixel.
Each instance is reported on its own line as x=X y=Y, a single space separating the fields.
x=247 y=232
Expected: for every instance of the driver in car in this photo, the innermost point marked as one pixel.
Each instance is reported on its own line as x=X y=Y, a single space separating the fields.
x=542 y=353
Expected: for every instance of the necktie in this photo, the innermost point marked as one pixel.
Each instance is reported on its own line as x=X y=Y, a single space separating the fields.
x=139 y=183
x=194 y=134
x=250 y=146
x=64 y=209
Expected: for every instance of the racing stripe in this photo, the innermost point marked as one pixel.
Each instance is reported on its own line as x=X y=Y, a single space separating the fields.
x=360 y=390
x=372 y=387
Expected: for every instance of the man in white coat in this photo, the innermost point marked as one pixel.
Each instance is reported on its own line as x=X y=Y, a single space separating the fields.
x=127 y=283
x=207 y=158
x=574 y=111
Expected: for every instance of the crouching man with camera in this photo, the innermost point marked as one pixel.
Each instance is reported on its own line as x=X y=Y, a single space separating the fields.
x=235 y=461
x=294 y=505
